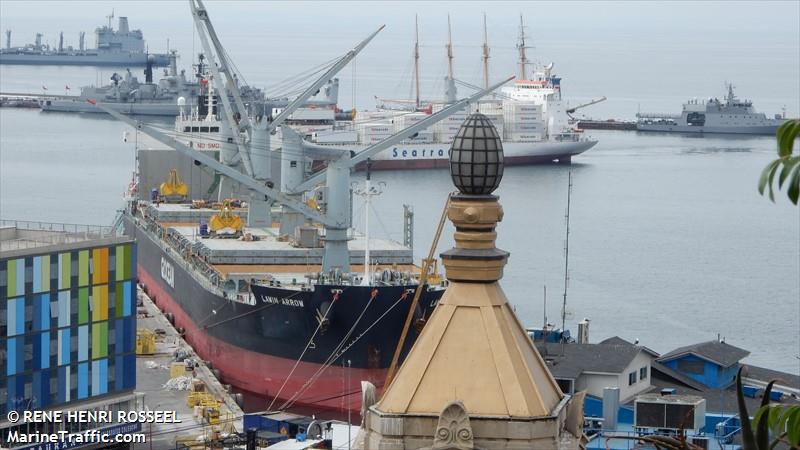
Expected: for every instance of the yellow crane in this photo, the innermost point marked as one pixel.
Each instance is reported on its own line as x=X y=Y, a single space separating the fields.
x=226 y=222
x=174 y=187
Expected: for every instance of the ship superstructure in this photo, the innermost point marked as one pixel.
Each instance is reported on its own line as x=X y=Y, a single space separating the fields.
x=530 y=115
x=121 y=47
x=128 y=95
x=730 y=115
x=264 y=273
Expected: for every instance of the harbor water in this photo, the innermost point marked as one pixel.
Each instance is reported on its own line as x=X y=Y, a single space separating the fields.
x=670 y=242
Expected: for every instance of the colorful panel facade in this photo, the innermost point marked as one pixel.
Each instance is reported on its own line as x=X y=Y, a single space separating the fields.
x=67 y=325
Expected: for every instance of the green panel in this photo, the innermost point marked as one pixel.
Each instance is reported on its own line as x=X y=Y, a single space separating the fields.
x=45 y=273
x=65 y=278
x=119 y=300
x=83 y=306
x=100 y=340
x=128 y=274
x=83 y=268
x=119 y=256
x=12 y=278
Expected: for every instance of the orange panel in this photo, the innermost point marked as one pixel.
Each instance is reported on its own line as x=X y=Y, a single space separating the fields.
x=100 y=266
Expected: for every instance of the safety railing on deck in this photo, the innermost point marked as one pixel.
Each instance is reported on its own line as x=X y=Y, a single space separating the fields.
x=53 y=233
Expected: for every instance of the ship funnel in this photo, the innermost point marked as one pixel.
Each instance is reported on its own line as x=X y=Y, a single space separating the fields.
x=82 y=41
x=38 y=40
x=8 y=38
x=61 y=42
x=123 y=25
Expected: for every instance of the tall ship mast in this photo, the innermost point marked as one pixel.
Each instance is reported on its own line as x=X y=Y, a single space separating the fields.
x=122 y=47
x=259 y=263
x=530 y=115
x=729 y=115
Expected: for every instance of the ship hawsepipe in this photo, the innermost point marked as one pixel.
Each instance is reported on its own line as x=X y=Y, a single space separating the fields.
x=256 y=347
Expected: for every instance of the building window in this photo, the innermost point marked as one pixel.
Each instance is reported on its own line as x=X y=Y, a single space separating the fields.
x=632 y=378
x=690 y=366
x=643 y=373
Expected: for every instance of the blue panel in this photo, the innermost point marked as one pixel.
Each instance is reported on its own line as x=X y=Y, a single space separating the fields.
x=83 y=342
x=63 y=346
x=11 y=353
x=119 y=373
x=44 y=311
x=20 y=320
x=63 y=384
x=130 y=371
x=129 y=342
x=63 y=309
x=12 y=403
x=83 y=380
x=103 y=376
x=44 y=389
x=119 y=335
x=127 y=304
x=37 y=274
x=45 y=340
x=36 y=388
x=96 y=378
x=15 y=315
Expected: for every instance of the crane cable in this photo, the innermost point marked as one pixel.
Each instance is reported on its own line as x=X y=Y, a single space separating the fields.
x=362 y=334
x=422 y=280
x=330 y=358
x=308 y=345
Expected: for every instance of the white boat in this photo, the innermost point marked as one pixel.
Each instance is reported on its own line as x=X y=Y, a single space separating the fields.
x=530 y=115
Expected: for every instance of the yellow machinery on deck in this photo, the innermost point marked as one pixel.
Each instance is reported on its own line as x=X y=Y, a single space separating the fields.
x=145 y=342
x=226 y=222
x=174 y=187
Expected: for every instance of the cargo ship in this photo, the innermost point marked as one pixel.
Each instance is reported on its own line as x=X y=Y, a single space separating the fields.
x=730 y=115
x=122 y=47
x=262 y=269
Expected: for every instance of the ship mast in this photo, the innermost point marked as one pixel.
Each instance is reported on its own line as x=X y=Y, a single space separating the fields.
x=523 y=59
x=368 y=191
x=449 y=49
x=485 y=54
x=416 y=59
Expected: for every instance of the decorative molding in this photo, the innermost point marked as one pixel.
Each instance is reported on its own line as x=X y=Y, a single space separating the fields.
x=453 y=431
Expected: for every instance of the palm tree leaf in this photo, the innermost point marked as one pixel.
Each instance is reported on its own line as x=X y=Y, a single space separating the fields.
x=786 y=134
x=788 y=165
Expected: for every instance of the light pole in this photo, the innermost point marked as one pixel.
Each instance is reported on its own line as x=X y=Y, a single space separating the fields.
x=349 y=427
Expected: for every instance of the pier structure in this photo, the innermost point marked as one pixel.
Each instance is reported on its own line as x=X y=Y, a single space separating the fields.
x=473 y=379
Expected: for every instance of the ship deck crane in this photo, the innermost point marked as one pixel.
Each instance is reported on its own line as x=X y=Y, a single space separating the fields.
x=584 y=105
x=337 y=173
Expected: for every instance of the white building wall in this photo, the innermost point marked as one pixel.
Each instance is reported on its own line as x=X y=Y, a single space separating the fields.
x=627 y=392
x=593 y=384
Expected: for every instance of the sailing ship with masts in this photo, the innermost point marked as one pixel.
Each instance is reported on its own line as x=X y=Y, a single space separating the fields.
x=530 y=115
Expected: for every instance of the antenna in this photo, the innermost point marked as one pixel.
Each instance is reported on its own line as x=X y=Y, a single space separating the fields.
x=110 y=17
x=416 y=57
x=485 y=54
x=566 y=261
x=367 y=191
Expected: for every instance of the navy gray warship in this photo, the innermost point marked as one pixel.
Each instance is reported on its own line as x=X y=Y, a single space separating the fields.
x=174 y=92
x=122 y=47
x=731 y=115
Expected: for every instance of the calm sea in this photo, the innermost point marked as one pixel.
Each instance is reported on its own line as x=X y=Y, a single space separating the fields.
x=670 y=243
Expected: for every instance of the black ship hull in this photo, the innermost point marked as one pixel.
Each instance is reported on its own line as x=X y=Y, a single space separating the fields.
x=256 y=344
